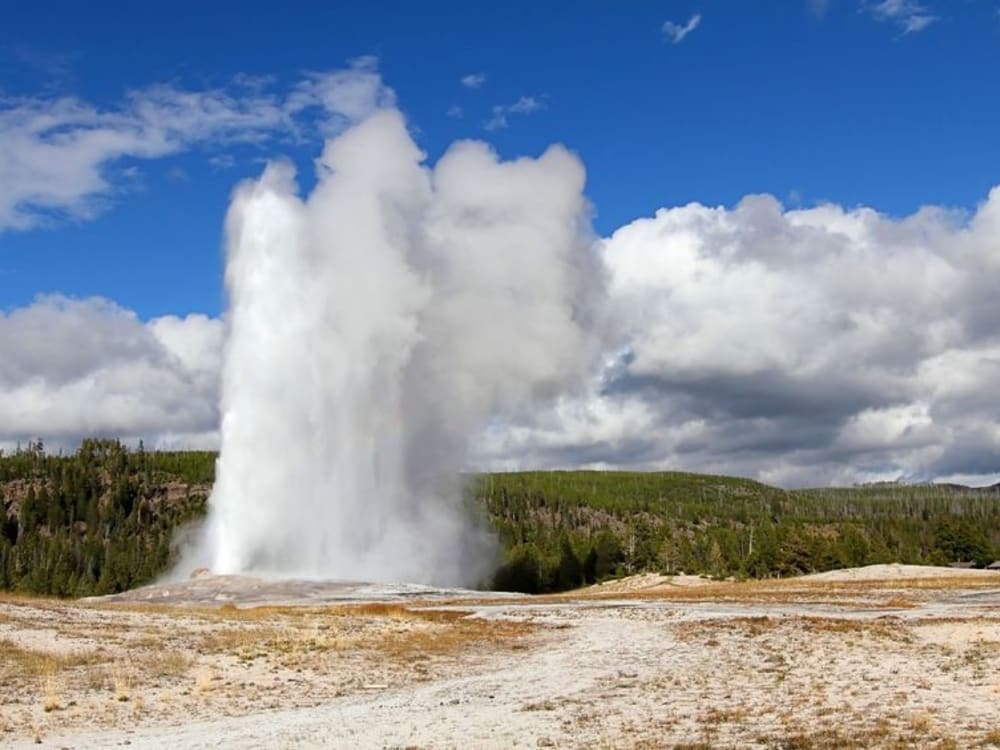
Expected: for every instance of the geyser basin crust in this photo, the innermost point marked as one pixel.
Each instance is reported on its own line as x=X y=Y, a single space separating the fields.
x=865 y=660
x=242 y=590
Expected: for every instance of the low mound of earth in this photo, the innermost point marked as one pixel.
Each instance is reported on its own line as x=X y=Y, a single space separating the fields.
x=646 y=582
x=895 y=571
x=206 y=589
x=891 y=656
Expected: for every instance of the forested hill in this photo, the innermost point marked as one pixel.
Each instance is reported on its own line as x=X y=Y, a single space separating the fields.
x=557 y=526
x=96 y=522
x=102 y=520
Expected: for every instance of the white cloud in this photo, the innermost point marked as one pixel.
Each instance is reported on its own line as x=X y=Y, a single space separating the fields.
x=818 y=7
x=676 y=32
x=455 y=111
x=801 y=347
x=347 y=96
x=523 y=106
x=910 y=15
x=473 y=80
x=798 y=346
x=222 y=161
x=57 y=154
x=257 y=83
x=77 y=368
x=177 y=175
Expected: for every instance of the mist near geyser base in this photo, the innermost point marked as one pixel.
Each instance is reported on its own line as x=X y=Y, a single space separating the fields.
x=373 y=327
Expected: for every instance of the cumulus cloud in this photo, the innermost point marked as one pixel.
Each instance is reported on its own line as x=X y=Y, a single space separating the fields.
x=910 y=16
x=57 y=154
x=347 y=96
x=222 y=161
x=74 y=368
x=802 y=347
x=676 y=32
x=473 y=80
x=799 y=346
x=523 y=106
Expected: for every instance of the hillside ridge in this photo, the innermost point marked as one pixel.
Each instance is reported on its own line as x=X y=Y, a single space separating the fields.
x=103 y=520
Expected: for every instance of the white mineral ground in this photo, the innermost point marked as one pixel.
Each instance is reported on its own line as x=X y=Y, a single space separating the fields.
x=884 y=656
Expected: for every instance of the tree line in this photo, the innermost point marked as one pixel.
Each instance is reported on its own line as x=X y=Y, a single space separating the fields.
x=97 y=522
x=563 y=529
x=104 y=519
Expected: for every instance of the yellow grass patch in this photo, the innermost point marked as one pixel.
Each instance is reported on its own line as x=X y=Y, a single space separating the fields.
x=17 y=661
x=122 y=682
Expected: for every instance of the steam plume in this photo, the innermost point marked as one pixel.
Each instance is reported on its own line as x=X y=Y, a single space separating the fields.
x=372 y=327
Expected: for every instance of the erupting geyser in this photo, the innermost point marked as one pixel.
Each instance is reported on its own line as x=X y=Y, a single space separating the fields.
x=373 y=327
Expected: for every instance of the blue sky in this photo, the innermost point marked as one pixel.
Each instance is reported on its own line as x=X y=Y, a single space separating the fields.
x=797 y=201
x=807 y=101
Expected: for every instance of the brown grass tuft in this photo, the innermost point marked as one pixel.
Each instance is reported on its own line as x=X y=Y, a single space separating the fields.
x=204 y=679
x=51 y=692
x=122 y=681
x=395 y=611
x=991 y=739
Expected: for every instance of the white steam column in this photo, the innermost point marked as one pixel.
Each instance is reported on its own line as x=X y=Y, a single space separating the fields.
x=375 y=326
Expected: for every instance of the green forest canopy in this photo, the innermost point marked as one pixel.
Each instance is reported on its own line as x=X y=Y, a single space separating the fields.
x=103 y=519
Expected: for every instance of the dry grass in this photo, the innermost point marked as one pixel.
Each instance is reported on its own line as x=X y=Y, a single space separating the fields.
x=900 y=593
x=52 y=691
x=458 y=636
x=122 y=682
x=17 y=661
x=390 y=629
x=245 y=642
x=708 y=631
x=165 y=664
x=396 y=611
x=921 y=722
x=204 y=613
x=886 y=628
x=878 y=735
x=35 y=600
x=137 y=663
x=49 y=676
x=898 y=602
x=205 y=678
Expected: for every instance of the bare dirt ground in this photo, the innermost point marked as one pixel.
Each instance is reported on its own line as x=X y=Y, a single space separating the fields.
x=888 y=656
